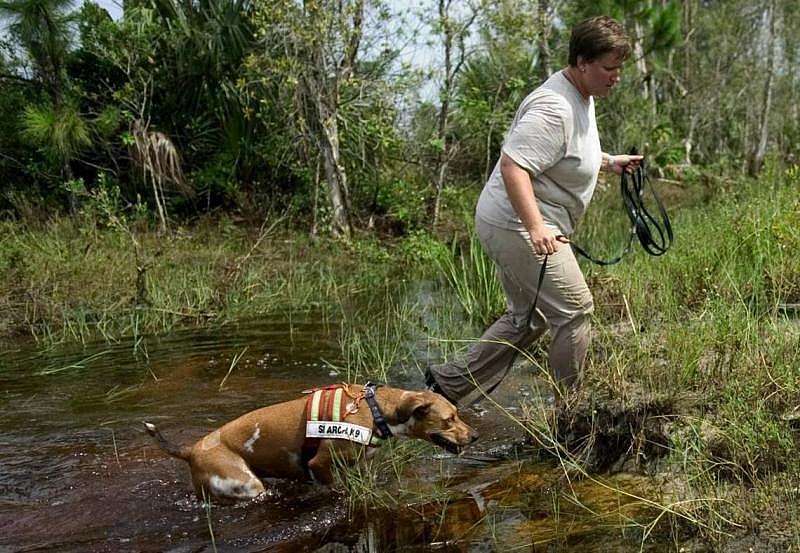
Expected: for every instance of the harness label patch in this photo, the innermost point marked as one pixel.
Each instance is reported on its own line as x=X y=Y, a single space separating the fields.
x=338 y=430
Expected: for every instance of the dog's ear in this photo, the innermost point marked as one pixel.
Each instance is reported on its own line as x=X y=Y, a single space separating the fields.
x=415 y=404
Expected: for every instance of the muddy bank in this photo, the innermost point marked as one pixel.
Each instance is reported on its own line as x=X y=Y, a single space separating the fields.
x=703 y=476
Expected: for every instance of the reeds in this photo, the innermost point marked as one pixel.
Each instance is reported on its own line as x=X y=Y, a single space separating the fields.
x=472 y=276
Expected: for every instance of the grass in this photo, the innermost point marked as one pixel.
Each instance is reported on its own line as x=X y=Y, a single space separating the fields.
x=472 y=276
x=704 y=325
x=69 y=281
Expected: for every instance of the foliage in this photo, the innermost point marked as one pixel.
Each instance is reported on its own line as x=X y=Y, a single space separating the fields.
x=273 y=107
x=59 y=131
x=42 y=28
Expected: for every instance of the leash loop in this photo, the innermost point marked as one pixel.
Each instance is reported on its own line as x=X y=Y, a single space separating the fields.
x=654 y=233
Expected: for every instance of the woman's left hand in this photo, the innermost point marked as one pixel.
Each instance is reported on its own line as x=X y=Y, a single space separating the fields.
x=624 y=162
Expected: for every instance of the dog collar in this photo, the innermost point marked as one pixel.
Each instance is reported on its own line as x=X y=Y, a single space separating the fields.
x=380 y=422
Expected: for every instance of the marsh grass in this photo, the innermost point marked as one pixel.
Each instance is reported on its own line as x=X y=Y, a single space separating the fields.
x=388 y=479
x=72 y=281
x=376 y=336
x=646 y=515
x=472 y=276
x=703 y=323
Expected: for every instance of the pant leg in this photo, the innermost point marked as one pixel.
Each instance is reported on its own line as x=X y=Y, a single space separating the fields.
x=488 y=359
x=567 y=304
x=564 y=304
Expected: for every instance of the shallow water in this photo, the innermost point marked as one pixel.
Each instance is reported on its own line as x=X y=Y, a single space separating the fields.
x=77 y=472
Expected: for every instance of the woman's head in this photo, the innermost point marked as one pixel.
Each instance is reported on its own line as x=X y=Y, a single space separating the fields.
x=597 y=36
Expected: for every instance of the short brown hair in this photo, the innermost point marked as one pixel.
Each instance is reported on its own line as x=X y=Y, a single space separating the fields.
x=597 y=36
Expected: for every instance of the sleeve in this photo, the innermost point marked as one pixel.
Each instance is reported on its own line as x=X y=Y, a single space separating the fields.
x=538 y=139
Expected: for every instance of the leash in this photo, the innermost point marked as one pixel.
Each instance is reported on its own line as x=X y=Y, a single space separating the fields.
x=654 y=234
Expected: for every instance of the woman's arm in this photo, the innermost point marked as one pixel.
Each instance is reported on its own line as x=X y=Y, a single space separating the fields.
x=519 y=187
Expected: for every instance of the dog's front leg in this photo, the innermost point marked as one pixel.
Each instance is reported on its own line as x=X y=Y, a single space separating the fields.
x=320 y=466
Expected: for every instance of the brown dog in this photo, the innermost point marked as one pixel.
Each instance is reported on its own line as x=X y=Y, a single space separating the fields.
x=289 y=440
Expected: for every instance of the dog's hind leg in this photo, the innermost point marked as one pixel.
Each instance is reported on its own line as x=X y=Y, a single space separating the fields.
x=226 y=477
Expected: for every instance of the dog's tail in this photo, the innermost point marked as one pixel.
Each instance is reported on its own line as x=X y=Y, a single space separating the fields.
x=181 y=452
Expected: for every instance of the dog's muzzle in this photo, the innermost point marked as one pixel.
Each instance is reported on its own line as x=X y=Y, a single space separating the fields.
x=449 y=446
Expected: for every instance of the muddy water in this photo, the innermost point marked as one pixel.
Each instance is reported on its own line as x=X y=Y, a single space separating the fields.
x=78 y=474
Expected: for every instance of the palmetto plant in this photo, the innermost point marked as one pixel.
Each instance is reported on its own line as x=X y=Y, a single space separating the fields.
x=160 y=162
x=201 y=46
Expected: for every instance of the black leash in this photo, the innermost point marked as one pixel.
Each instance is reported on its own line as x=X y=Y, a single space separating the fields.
x=655 y=235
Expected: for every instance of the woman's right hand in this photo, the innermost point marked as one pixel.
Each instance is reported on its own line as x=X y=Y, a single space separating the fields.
x=545 y=241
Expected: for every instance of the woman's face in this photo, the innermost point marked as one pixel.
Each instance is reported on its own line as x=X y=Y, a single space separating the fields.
x=600 y=75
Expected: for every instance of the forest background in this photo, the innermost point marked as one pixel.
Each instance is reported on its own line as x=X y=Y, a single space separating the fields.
x=361 y=114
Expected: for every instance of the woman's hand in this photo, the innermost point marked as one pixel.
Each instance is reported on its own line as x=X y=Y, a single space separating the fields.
x=545 y=241
x=623 y=162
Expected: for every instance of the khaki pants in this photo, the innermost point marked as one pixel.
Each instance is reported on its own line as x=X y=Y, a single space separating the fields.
x=564 y=305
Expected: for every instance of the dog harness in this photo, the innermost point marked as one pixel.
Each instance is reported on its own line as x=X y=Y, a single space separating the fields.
x=327 y=410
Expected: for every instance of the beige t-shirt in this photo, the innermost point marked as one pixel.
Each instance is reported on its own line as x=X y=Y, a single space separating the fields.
x=554 y=137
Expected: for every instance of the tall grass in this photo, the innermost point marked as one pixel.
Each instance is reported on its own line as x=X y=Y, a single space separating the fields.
x=472 y=276
x=70 y=280
x=706 y=323
x=376 y=336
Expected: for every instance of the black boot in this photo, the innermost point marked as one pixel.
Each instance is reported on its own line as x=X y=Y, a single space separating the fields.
x=433 y=386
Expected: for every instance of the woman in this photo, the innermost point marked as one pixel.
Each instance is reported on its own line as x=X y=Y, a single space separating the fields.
x=530 y=205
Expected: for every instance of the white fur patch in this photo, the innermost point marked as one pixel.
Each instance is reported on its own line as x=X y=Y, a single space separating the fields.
x=248 y=445
x=233 y=487
x=399 y=429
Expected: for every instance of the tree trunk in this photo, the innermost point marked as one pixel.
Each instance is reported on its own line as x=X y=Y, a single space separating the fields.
x=444 y=110
x=322 y=82
x=641 y=63
x=336 y=176
x=757 y=158
x=453 y=34
x=543 y=39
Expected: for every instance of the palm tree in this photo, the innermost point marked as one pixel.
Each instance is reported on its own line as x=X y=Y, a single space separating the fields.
x=42 y=28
